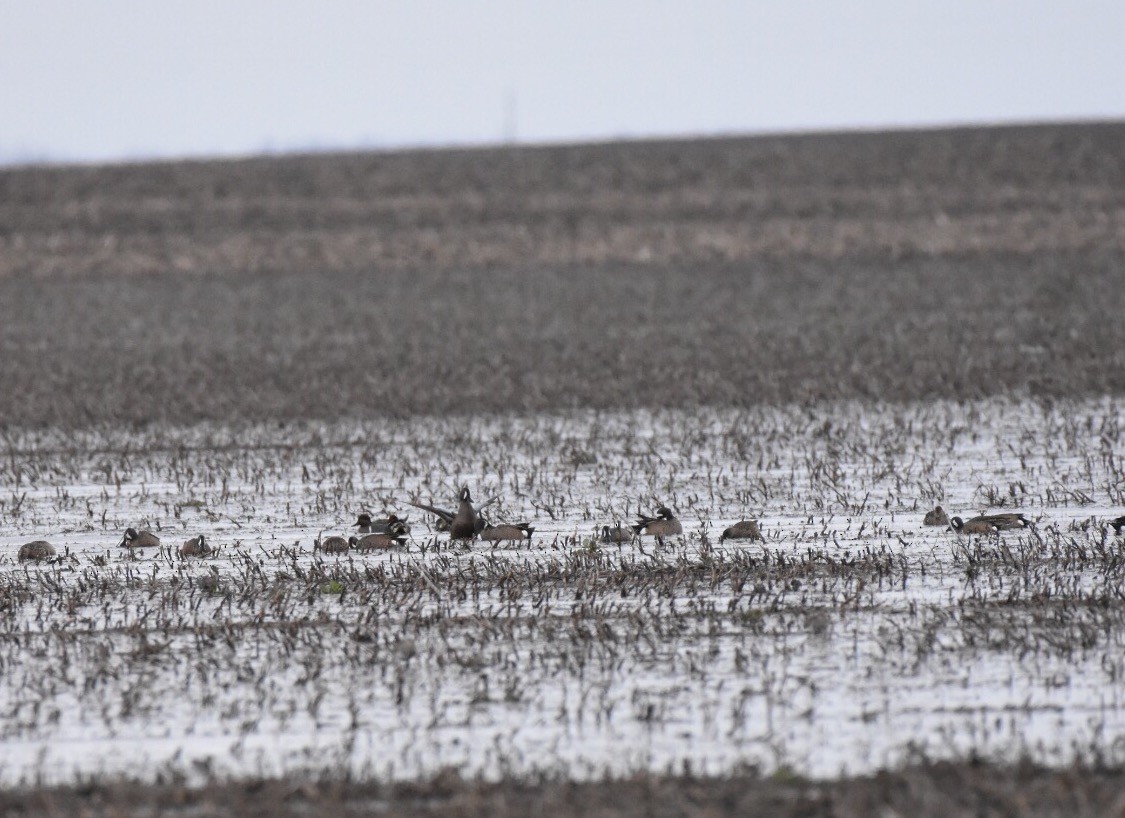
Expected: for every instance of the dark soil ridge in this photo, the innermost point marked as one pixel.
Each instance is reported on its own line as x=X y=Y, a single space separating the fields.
x=888 y=266
x=939 y=790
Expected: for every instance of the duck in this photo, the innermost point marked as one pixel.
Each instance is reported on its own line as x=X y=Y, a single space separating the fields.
x=392 y=538
x=195 y=547
x=977 y=525
x=936 y=516
x=1005 y=522
x=618 y=534
x=466 y=523
x=664 y=524
x=466 y=511
x=743 y=530
x=517 y=531
x=365 y=525
x=331 y=545
x=135 y=539
x=36 y=551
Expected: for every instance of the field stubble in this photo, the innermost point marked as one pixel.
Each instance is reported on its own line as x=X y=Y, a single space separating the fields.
x=851 y=640
x=903 y=266
x=828 y=332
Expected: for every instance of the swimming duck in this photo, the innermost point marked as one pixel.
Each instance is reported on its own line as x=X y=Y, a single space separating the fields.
x=743 y=530
x=664 y=524
x=496 y=533
x=195 y=547
x=331 y=545
x=466 y=511
x=618 y=534
x=365 y=525
x=936 y=516
x=36 y=551
x=395 y=537
x=143 y=539
x=977 y=525
x=466 y=523
x=1006 y=522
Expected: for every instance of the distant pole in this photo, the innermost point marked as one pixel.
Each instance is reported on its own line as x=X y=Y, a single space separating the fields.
x=509 y=134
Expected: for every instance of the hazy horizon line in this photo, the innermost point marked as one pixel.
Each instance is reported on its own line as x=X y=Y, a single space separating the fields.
x=17 y=159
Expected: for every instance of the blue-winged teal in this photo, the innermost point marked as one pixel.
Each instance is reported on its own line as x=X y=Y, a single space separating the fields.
x=331 y=545
x=617 y=534
x=1118 y=524
x=393 y=538
x=743 y=530
x=496 y=533
x=664 y=524
x=365 y=525
x=936 y=516
x=195 y=547
x=466 y=511
x=37 y=550
x=144 y=539
x=1004 y=522
x=977 y=525
x=990 y=523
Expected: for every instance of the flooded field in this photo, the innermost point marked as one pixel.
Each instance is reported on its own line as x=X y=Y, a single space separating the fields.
x=852 y=640
x=828 y=333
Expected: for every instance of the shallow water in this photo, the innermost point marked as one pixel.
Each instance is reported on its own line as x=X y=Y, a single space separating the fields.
x=855 y=638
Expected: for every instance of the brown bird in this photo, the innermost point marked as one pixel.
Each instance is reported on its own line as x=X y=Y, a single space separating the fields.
x=36 y=551
x=144 y=539
x=496 y=533
x=466 y=523
x=744 y=530
x=617 y=534
x=664 y=524
x=365 y=525
x=331 y=545
x=445 y=518
x=935 y=517
x=976 y=525
x=195 y=547
x=1005 y=522
x=382 y=539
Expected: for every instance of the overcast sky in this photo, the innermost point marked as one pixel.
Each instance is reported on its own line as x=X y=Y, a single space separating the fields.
x=116 y=79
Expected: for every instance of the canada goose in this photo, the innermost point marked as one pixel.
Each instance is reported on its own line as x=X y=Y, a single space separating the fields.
x=936 y=517
x=617 y=534
x=381 y=539
x=446 y=518
x=977 y=525
x=145 y=539
x=365 y=525
x=195 y=547
x=664 y=524
x=744 y=530
x=1118 y=524
x=37 y=550
x=331 y=545
x=496 y=533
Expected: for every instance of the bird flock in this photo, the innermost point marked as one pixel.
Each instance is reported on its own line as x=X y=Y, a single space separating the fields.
x=468 y=523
